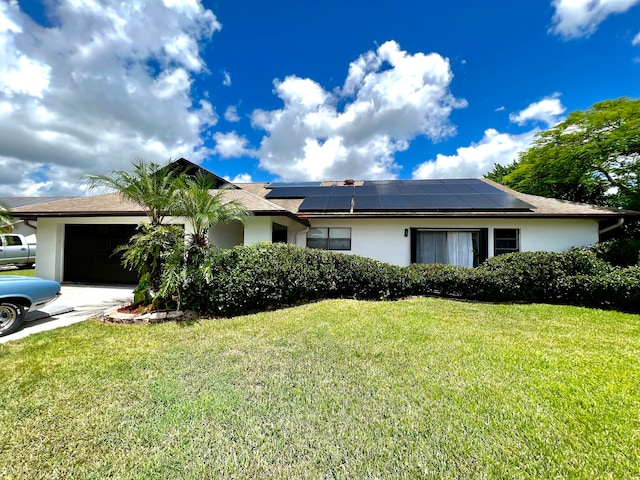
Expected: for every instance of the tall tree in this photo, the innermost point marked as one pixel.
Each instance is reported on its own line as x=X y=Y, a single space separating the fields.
x=149 y=185
x=593 y=157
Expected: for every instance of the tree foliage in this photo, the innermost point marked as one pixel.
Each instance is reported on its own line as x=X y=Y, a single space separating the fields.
x=158 y=252
x=204 y=208
x=149 y=186
x=593 y=157
x=5 y=219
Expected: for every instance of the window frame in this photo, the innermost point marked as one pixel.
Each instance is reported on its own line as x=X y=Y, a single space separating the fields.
x=502 y=250
x=325 y=242
x=480 y=255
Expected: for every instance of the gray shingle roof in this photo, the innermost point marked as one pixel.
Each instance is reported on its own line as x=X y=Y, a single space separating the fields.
x=251 y=196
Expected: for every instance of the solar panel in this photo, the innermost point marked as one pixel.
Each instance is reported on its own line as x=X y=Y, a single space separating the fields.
x=314 y=204
x=389 y=189
x=413 y=189
x=450 y=202
x=422 y=202
x=482 y=187
x=478 y=201
x=338 y=191
x=459 y=188
x=367 y=203
x=394 y=202
x=294 y=192
x=508 y=202
x=339 y=203
x=399 y=195
x=435 y=188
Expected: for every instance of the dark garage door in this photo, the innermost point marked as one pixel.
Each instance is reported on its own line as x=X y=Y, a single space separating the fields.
x=89 y=257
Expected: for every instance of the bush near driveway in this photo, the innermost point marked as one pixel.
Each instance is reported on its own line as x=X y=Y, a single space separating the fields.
x=265 y=276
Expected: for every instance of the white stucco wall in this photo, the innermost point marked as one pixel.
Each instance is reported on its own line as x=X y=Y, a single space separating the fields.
x=384 y=239
x=227 y=235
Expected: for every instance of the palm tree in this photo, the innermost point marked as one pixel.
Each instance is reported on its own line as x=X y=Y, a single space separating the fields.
x=150 y=186
x=203 y=207
x=5 y=219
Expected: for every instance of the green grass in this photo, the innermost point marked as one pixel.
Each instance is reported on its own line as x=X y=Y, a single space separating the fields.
x=421 y=388
x=27 y=272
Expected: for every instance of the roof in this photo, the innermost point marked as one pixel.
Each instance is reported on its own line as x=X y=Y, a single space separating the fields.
x=14 y=202
x=352 y=199
x=112 y=204
x=536 y=206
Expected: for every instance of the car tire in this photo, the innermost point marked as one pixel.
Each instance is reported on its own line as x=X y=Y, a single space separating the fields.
x=11 y=317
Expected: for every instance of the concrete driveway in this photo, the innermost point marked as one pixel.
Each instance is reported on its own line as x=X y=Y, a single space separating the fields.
x=77 y=303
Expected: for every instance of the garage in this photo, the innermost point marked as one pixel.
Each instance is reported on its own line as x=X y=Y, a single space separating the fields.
x=89 y=254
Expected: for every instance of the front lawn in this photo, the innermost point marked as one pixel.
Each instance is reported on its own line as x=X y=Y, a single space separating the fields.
x=419 y=388
x=27 y=272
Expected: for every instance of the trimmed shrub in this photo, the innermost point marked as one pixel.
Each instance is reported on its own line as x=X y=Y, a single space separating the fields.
x=441 y=280
x=622 y=252
x=266 y=276
x=534 y=276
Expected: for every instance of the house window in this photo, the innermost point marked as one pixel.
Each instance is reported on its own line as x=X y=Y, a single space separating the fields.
x=506 y=240
x=465 y=248
x=329 y=238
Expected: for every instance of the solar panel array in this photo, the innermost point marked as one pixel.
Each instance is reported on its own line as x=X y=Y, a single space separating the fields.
x=400 y=195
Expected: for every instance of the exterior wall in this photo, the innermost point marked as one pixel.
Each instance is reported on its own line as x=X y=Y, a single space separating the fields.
x=258 y=229
x=227 y=235
x=51 y=241
x=384 y=239
x=50 y=253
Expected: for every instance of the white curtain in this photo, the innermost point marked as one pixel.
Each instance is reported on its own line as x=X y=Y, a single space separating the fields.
x=453 y=248
x=431 y=247
x=460 y=249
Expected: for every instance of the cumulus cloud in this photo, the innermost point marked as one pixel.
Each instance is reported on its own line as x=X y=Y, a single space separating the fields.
x=580 y=18
x=231 y=114
x=494 y=147
x=240 y=178
x=546 y=111
x=101 y=87
x=478 y=158
x=388 y=98
x=231 y=145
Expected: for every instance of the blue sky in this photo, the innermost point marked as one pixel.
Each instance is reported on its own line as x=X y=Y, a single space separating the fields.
x=295 y=90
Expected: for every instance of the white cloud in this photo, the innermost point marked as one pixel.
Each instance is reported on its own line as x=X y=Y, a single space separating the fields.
x=388 y=98
x=231 y=145
x=226 y=81
x=82 y=98
x=494 y=147
x=636 y=40
x=478 y=158
x=231 y=114
x=580 y=18
x=546 y=110
x=240 y=178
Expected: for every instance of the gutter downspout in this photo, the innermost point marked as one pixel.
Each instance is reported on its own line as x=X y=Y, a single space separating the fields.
x=618 y=224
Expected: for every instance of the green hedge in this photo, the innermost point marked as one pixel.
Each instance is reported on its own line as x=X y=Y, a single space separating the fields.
x=623 y=252
x=265 y=276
